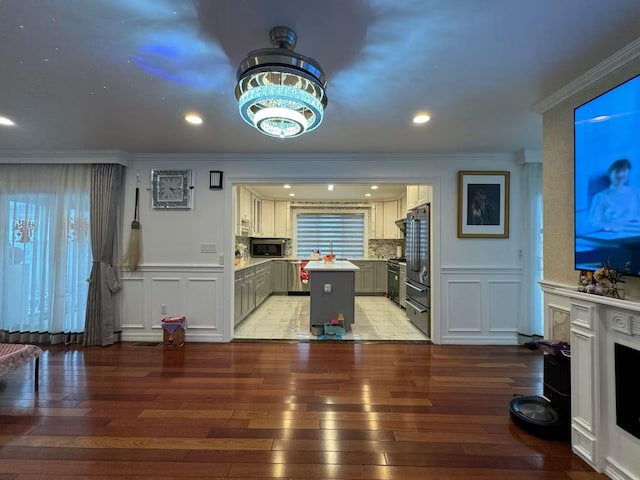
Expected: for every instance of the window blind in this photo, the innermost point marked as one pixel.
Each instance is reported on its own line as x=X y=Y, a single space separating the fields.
x=341 y=232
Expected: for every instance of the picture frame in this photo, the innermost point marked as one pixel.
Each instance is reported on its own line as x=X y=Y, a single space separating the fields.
x=171 y=189
x=483 y=204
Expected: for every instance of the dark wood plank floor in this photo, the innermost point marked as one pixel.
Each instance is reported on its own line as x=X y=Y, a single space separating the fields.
x=276 y=410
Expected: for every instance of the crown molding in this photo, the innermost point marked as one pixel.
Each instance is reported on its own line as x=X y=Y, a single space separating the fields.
x=528 y=156
x=336 y=157
x=615 y=61
x=64 y=156
x=123 y=158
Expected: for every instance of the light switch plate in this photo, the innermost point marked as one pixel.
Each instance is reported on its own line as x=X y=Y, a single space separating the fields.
x=327 y=288
x=207 y=248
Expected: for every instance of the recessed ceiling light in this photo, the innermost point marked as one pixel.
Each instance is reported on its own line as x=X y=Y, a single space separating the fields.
x=292 y=194
x=330 y=187
x=193 y=119
x=286 y=185
x=421 y=118
x=6 y=122
x=374 y=187
x=367 y=194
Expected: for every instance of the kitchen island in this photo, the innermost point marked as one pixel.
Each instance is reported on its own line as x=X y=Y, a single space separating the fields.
x=332 y=291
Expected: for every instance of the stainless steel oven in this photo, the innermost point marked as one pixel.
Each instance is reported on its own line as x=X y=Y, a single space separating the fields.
x=393 y=279
x=418 y=280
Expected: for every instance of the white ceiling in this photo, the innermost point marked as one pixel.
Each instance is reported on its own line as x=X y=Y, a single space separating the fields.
x=341 y=192
x=120 y=74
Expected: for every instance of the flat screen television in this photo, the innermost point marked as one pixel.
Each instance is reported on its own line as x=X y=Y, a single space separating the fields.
x=607 y=180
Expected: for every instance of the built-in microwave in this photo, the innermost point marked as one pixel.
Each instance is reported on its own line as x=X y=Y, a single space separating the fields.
x=267 y=247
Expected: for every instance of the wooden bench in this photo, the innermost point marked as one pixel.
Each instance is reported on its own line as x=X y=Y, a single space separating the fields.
x=14 y=355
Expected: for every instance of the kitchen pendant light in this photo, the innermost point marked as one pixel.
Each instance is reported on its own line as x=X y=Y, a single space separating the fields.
x=280 y=92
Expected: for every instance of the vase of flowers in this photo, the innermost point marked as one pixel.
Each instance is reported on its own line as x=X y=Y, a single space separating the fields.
x=609 y=277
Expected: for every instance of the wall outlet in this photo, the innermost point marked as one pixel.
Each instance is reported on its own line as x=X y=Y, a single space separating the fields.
x=207 y=248
x=163 y=309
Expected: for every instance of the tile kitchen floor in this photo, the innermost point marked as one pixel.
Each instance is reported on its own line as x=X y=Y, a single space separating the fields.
x=283 y=317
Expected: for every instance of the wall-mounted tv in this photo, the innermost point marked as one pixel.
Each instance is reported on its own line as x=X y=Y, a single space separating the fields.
x=607 y=179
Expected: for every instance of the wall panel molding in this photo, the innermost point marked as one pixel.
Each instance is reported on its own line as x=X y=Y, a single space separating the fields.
x=482 y=305
x=197 y=293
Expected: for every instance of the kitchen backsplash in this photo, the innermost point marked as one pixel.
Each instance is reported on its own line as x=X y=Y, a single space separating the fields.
x=377 y=248
x=385 y=248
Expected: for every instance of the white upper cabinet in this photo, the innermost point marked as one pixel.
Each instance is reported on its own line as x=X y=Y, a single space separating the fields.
x=412 y=196
x=267 y=224
x=418 y=195
x=282 y=219
x=242 y=212
x=244 y=200
x=384 y=216
x=260 y=217
x=256 y=215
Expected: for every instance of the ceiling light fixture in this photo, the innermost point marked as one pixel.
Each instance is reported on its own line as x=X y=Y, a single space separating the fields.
x=6 y=121
x=330 y=187
x=374 y=187
x=193 y=119
x=421 y=118
x=280 y=92
x=286 y=185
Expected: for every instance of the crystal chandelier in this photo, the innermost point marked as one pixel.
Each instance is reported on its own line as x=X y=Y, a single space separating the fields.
x=280 y=92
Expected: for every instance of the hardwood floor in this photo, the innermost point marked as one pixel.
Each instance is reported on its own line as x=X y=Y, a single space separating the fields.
x=280 y=410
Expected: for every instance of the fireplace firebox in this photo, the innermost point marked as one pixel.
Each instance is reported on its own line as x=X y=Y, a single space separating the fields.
x=627 y=366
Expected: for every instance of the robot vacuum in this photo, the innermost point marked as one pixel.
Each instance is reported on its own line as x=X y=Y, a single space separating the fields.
x=548 y=416
x=538 y=417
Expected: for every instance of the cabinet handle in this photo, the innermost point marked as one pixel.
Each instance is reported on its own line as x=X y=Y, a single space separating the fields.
x=409 y=284
x=415 y=307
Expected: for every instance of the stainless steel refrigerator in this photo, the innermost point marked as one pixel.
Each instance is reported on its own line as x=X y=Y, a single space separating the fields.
x=418 y=254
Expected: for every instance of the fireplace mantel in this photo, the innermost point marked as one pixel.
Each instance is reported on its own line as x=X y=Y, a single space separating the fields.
x=597 y=323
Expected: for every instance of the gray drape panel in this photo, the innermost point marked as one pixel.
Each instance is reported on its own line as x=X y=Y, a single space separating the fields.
x=106 y=193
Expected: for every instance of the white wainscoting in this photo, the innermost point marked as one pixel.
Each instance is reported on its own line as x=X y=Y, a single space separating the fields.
x=481 y=305
x=193 y=291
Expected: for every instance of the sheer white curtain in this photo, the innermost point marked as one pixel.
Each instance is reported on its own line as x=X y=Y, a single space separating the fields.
x=46 y=252
x=532 y=188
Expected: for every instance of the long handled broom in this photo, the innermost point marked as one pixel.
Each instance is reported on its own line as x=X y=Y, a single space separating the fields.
x=133 y=252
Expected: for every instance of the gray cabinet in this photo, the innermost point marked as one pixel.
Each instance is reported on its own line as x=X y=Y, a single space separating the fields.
x=248 y=292
x=279 y=276
x=380 y=277
x=364 y=277
x=259 y=284
x=252 y=286
x=371 y=279
x=262 y=282
x=237 y=298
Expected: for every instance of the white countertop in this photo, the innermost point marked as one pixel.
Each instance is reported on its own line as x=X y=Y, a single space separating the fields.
x=338 y=265
x=252 y=262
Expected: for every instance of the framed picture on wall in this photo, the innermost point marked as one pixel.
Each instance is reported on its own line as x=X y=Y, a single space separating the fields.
x=483 y=204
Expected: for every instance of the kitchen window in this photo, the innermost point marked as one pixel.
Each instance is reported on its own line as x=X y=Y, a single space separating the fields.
x=344 y=233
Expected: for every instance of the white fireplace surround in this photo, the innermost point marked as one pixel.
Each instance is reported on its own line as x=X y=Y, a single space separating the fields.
x=596 y=324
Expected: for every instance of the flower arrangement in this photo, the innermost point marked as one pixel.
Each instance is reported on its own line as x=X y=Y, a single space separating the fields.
x=611 y=274
x=610 y=277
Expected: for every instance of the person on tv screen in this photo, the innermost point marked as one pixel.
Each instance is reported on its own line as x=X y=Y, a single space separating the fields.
x=617 y=205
